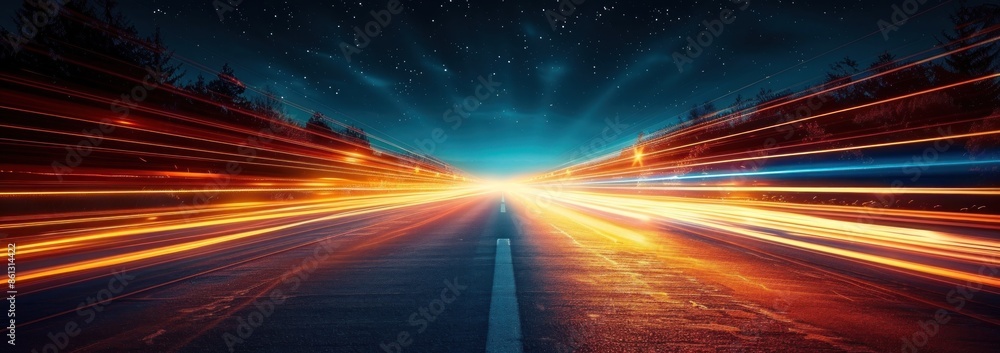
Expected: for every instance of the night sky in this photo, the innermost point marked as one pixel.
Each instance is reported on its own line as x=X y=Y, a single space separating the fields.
x=557 y=88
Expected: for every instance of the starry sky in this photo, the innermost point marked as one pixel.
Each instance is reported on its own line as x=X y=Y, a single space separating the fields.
x=557 y=89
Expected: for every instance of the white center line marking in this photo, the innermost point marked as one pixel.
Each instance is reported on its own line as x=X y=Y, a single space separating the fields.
x=504 y=334
x=503 y=208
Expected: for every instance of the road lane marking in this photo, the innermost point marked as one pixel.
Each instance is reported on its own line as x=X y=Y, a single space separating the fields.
x=503 y=208
x=504 y=334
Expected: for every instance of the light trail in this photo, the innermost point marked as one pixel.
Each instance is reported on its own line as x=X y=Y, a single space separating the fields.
x=589 y=168
x=889 y=245
x=335 y=209
x=159 y=185
x=163 y=187
x=834 y=190
x=899 y=196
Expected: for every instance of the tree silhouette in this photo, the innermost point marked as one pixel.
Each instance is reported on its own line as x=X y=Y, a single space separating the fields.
x=357 y=135
x=970 y=25
x=842 y=72
x=703 y=110
x=160 y=60
x=226 y=88
x=765 y=95
x=319 y=131
x=198 y=87
x=90 y=46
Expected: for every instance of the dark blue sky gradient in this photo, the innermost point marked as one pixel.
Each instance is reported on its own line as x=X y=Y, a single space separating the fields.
x=612 y=59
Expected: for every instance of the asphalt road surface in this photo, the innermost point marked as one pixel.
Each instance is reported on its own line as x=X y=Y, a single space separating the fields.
x=423 y=279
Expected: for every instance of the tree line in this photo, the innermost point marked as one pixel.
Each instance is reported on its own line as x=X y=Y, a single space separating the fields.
x=87 y=53
x=90 y=43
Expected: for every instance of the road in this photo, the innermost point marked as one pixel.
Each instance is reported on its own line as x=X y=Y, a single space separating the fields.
x=421 y=278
